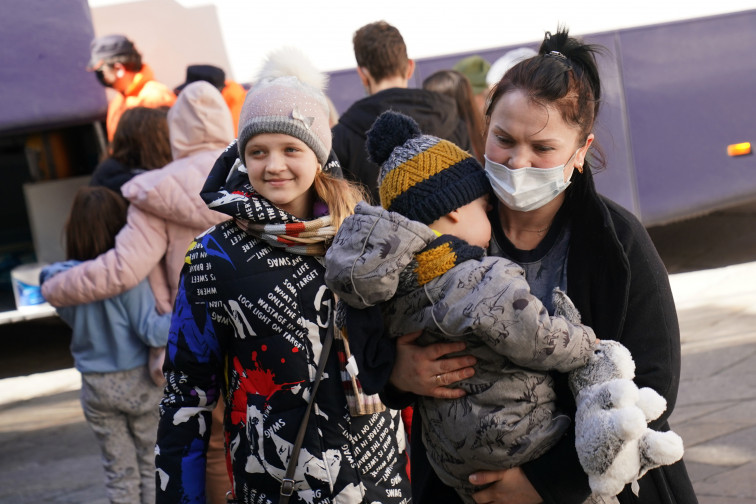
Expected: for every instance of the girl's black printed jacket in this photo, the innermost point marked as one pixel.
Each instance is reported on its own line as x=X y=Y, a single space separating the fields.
x=248 y=327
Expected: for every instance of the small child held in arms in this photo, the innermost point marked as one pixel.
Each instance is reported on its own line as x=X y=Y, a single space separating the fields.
x=111 y=342
x=421 y=259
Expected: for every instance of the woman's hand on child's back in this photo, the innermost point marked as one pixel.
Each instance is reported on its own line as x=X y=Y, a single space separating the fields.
x=508 y=486
x=424 y=370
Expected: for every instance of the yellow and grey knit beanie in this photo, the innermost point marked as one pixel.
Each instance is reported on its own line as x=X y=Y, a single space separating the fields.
x=289 y=106
x=421 y=176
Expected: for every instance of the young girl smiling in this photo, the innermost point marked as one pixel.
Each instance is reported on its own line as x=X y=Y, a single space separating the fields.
x=253 y=317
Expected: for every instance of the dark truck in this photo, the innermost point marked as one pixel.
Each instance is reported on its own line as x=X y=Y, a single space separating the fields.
x=51 y=138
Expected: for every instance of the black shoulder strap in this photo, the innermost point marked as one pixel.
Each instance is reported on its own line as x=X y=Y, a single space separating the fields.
x=287 y=485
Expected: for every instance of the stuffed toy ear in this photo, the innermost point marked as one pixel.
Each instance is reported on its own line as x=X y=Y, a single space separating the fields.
x=564 y=307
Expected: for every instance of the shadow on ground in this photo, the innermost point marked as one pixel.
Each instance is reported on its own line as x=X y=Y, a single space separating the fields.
x=715 y=240
x=35 y=346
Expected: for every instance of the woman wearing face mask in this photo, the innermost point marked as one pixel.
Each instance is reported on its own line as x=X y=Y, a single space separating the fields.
x=550 y=220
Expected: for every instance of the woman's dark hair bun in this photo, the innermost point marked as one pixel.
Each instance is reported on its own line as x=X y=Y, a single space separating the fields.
x=578 y=56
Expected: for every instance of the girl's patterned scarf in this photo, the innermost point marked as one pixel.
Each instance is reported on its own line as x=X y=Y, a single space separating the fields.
x=227 y=190
x=298 y=237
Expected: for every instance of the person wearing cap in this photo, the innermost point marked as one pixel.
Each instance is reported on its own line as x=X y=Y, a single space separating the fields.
x=233 y=92
x=118 y=65
x=251 y=322
x=385 y=71
x=475 y=69
x=421 y=257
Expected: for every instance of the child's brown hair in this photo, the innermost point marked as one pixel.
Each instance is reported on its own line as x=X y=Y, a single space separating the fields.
x=141 y=139
x=97 y=215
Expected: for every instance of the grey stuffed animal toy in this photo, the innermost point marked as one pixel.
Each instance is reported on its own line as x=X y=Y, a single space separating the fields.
x=613 y=441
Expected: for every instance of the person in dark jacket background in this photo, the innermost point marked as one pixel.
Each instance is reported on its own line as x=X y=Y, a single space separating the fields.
x=385 y=71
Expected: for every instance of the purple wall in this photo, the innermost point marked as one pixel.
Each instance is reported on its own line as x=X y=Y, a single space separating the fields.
x=675 y=95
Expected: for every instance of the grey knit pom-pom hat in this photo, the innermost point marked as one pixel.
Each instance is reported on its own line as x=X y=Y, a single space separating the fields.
x=286 y=105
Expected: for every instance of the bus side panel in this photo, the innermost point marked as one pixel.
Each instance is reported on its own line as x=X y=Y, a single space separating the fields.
x=690 y=92
x=674 y=96
x=618 y=180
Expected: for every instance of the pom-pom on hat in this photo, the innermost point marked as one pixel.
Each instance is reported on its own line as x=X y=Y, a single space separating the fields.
x=286 y=105
x=421 y=176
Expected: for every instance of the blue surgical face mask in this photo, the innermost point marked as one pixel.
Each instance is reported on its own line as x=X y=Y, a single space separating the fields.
x=527 y=188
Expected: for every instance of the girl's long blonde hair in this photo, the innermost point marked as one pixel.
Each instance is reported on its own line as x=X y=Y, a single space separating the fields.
x=340 y=195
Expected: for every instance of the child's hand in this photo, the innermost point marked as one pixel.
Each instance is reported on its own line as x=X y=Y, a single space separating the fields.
x=155 y=365
x=53 y=269
x=424 y=371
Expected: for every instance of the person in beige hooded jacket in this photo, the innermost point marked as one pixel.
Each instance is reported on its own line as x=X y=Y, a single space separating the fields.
x=165 y=214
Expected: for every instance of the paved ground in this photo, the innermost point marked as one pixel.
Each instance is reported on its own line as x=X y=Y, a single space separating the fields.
x=716 y=408
x=48 y=454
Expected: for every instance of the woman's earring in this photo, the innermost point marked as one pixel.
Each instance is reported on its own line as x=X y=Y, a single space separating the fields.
x=579 y=168
x=320 y=168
